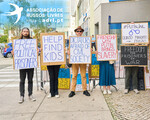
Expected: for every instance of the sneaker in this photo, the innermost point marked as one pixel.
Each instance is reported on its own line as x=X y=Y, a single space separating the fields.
x=104 y=92
x=72 y=94
x=32 y=98
x=136 y=91
x=126 y=91
x=21 y=99
x=109 y=92
x=86 y=93
x=49 y=96
x=57 y=96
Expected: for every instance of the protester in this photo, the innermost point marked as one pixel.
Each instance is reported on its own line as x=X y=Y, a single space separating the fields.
x=25 y=34
x=107 y=75
x=75 y=67
x=93 y=42
x=131 y=71
x=53 y=71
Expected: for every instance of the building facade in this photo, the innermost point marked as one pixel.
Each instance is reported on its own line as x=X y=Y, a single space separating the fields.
x=106 y=16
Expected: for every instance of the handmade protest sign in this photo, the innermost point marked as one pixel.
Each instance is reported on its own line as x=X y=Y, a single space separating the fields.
x=135 y=33
x=25 y=53
x=147 y=78
x=107 y=47
x=94 y=67
x=53 y=45
x=134 y=55
x=80 y=50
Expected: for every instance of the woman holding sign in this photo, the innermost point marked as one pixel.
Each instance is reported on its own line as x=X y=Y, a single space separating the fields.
x=106 y=53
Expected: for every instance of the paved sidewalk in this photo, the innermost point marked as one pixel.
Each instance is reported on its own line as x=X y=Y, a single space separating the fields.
x=79 y=107
x=129 y=106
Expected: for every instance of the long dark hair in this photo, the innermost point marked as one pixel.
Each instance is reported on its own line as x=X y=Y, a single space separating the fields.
x=21 y=37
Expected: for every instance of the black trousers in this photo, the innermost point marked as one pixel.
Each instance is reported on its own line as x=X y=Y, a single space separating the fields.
x=94 y=45
x=23 y=73
x=131 y=71
x=53 y=75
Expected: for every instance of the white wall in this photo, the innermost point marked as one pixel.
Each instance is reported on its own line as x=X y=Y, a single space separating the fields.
x=131 y=11
x=97 y=12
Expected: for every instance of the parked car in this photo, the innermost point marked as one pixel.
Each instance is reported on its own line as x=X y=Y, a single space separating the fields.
x=7 y=51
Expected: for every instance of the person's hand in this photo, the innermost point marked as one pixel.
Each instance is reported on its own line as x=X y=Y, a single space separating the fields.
x=117 y=51
x=12 y=52
x=40 y=49
x=91 y=49
x=68 y=52
x=136 y=44
x=96 y=52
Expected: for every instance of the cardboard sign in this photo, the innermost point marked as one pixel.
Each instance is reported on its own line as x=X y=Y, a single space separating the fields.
x=80 y=50
x=25 y=53
x=94 y=67
x=147 y=78
x=79 y=81
x=134 y=55
x=135 y=33
x=107 y=47
x=53 y=45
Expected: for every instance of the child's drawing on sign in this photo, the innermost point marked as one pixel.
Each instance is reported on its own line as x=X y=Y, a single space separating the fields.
x=134 y=31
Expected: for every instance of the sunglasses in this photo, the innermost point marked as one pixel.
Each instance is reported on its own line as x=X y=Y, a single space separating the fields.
x=79 y=31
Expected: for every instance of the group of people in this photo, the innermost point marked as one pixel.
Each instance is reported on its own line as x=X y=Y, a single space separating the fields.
x=106 y=74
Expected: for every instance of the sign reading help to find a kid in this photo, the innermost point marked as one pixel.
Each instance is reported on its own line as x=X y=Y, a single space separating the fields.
x=134 y=33
x=25 y=53
x=80 y=50
x=53 y=45
x=107 y=47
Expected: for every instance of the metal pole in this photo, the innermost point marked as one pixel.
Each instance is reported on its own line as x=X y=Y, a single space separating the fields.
x=37 y=79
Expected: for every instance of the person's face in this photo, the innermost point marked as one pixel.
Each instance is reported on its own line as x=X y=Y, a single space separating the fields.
x=79 y=32
x=25 y=32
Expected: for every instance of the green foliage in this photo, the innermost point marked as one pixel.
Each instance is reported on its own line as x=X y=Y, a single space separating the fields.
x=3 y=39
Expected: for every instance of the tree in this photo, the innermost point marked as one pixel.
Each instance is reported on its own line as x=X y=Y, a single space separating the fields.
x=3 y=39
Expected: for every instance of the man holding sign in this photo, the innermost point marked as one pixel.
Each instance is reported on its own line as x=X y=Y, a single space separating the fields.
x=78 y=57
x=25 y=59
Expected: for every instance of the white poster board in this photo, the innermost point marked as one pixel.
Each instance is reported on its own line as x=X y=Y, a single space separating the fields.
x=80 y=50
x=53 y=45
x=107 y=47
x=134 y=33
x=25 y=53
x=147 y=79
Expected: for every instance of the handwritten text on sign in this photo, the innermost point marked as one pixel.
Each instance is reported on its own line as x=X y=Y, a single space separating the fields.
x=80 y=50
x=133 y=55
x=25 y=53
x=135 y=33
x=53 y=48
x=106 y=46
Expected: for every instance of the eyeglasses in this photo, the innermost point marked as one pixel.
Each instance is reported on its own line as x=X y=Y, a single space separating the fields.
x=78 y=31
